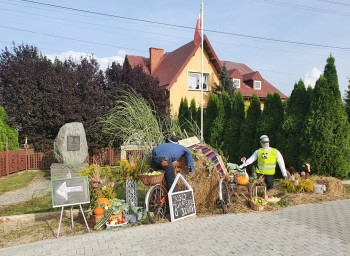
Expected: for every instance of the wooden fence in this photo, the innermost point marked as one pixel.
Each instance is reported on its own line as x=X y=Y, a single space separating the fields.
x=12 y=161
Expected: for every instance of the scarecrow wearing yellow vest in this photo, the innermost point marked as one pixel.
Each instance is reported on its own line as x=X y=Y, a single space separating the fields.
x=267 y=159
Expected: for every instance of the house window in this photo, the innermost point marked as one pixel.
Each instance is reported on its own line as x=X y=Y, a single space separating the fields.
x=236 y=83
x=257 y=85
x=194 y=81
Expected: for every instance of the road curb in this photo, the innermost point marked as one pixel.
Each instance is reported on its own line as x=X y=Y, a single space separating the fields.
x=37 y=216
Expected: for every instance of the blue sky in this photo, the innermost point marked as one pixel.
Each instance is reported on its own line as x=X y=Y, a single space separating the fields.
x=278 y=38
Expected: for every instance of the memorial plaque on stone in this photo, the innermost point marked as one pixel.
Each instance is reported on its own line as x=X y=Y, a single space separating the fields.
x=73 y=143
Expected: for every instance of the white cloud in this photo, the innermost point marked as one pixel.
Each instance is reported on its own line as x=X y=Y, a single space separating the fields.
x=311 y=77
x=103 y=61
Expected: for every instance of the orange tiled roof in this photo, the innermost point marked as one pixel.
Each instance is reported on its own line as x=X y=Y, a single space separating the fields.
x=174 y=62
x=246 y=74
x=135 y=61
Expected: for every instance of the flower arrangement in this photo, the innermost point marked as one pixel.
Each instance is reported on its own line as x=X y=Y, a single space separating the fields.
x=102 y=184
x=296 y=184
x=132 y=168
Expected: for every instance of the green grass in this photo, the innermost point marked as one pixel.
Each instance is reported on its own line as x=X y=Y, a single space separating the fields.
x=35 y=205
x=17 y=180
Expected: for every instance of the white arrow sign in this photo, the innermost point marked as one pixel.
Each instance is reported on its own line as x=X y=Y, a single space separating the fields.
x=63 y=190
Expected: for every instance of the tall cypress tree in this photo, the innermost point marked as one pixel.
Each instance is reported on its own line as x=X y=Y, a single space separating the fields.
x=271 y=117
x=216 y=133
x=289 y=142
x=347 y=101
x=233 y=134
x=184 y=115
x=210 y=114
x=249 y=138
x=327 y=129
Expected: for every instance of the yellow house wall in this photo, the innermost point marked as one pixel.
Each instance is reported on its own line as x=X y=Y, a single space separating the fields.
x=180 y=87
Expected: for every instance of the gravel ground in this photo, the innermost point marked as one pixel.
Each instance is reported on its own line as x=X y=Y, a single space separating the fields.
x=40 y=185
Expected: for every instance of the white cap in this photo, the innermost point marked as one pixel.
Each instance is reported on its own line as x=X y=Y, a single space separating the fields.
x=264 y=139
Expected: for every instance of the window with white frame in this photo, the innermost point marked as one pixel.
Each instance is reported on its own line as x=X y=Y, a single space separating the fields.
x=257 y=85
x=236 y=83
x=194 y=81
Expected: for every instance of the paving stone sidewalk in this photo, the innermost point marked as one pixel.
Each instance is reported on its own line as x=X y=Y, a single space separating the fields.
x=310 y=229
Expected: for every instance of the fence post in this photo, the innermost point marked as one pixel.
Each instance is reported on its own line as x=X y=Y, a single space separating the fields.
x=26 y=151
x=110 y=149
x=7 y=159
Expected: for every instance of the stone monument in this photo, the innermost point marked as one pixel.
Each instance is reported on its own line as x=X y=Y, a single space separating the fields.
x=71 y=151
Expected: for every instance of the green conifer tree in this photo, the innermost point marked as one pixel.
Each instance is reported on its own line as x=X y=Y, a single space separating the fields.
x=249 y=138
x=347 y=100
x=226 y=84
x=210 y=114
x=184 y=115
x=271 y=117
x=233 y=130
x=327 y=131
x=289 y=142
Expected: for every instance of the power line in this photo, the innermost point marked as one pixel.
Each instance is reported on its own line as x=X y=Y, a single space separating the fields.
x=69 y=38
x=334 y=2
x=186 y=27
x=303 y=7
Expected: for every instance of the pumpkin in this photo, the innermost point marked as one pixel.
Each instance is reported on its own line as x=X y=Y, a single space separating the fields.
x=99 y=211
x=242 y=180
x=102 y=201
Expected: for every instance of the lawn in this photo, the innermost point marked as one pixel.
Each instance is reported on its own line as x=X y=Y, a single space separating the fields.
x=17 y=180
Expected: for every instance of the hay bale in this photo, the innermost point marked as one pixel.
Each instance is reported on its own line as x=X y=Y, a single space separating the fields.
x=334 y=186
x=204 y=182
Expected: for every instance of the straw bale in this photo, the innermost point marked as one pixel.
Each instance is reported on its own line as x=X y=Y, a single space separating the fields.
x=204 y=182
x=334 y=186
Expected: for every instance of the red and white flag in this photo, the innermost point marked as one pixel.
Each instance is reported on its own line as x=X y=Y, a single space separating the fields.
x=197 y=32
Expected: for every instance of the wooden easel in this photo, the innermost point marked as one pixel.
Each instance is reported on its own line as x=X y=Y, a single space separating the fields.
x=71 y=215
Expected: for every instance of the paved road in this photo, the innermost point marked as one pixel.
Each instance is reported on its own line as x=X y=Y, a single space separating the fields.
x=312 y=229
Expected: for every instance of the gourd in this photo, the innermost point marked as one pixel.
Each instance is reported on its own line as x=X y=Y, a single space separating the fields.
x=104 y=219
x=99 y=211
x=242 y=180
x=102 y=201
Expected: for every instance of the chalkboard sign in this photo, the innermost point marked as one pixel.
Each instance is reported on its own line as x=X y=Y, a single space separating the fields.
x=181 y=203
x=70 y=191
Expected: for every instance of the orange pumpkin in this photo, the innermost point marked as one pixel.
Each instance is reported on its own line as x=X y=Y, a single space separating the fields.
x=242 y=180
x=102 y=201
x=99 y=211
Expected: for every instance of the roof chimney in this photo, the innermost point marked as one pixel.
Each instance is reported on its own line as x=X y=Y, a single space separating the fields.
x=156 y=56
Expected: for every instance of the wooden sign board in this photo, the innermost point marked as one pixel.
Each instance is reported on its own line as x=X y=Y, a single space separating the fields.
x=189 y=142
x=181 y=203
x=70 y=191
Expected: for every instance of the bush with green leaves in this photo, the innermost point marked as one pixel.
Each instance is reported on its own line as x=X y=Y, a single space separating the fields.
x=7 y=134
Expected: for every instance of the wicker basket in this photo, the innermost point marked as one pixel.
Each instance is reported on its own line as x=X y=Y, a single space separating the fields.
x=255 y=206
x=150 y=180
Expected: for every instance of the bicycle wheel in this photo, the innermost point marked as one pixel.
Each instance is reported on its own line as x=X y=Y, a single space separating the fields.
x=156 y=203
x=224 y=195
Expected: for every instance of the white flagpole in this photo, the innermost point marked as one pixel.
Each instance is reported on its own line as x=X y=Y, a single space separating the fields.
x=202 y=35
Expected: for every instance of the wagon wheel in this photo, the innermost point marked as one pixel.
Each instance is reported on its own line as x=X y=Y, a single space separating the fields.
x=224 y=195
x=156 y=203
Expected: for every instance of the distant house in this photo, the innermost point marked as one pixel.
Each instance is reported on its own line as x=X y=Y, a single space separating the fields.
x=180 y=72
x=249 y=82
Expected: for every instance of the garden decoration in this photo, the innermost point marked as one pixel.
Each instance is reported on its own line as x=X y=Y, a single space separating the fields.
x=209 y=153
